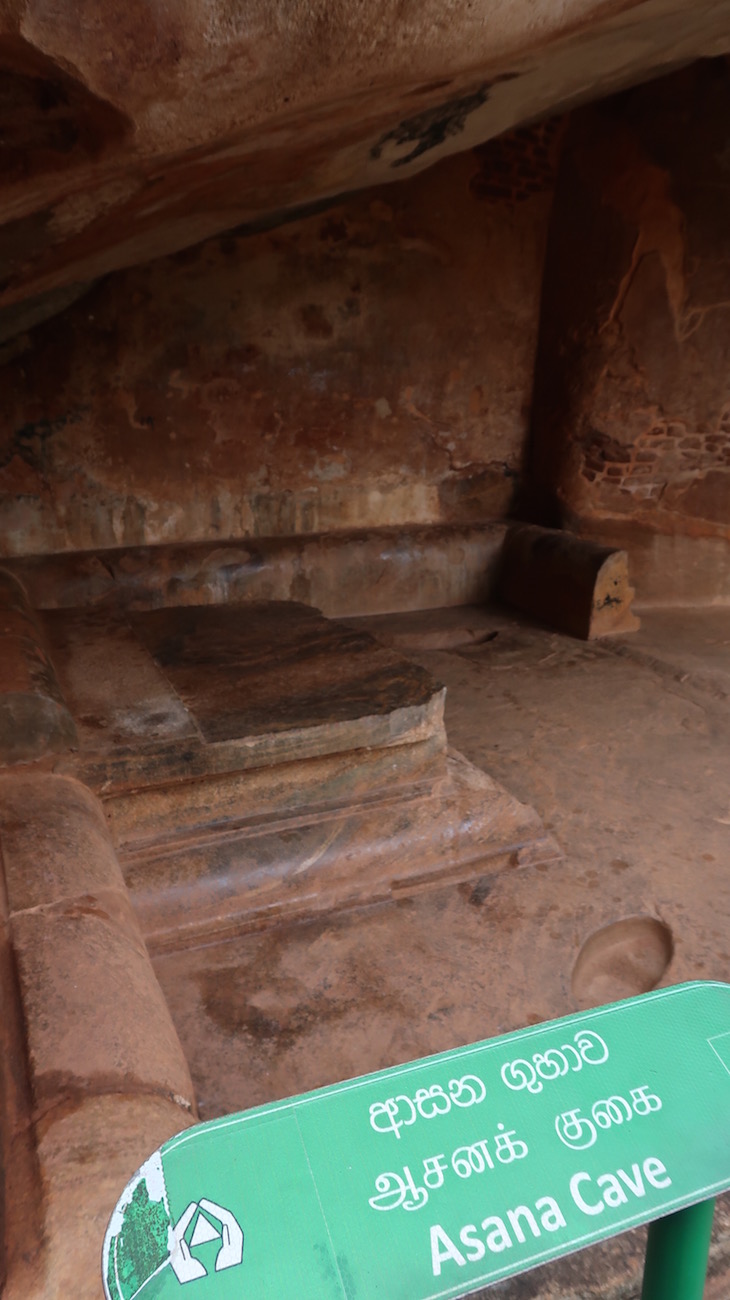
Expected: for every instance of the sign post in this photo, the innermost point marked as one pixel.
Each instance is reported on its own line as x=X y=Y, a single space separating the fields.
x=676 y=1253
x=438 y=1178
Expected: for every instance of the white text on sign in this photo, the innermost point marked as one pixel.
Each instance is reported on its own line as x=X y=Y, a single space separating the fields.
x=501 y=1232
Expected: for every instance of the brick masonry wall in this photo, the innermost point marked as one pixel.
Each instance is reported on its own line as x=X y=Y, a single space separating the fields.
x=520 y=163
x=663 y=454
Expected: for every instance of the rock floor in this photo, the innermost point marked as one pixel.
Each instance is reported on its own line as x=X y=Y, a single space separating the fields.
x=622 y=747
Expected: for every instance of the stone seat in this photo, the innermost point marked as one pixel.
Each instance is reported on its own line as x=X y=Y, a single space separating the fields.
x=259 y=759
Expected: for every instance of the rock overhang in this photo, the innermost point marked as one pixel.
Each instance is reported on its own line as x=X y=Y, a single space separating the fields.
x=136 y=133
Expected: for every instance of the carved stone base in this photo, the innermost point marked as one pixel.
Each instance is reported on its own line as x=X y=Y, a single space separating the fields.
x=259 y=761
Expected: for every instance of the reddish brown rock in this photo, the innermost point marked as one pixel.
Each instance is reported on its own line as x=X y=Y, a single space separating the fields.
x=148 y=815
x=259 y=760
x=205 y=692
x=95 y=1018
x=137 y=131
x=55 y=842
x=92 y=1076
x=87 y=1157
x=34 y=719
x=568 y=583
x=336 y=373
x=631 y=414
x=360 y=853
x=344 y=573
x=21 y=1197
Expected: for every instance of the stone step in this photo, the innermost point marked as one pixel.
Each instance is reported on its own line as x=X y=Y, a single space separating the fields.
x=157 y=814
x=201 y=889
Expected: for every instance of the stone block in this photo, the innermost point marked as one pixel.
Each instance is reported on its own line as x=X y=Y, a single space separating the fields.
x=86 y=1158
x=200 y=888
x=311 y=770
x=186 y=693
x=96 y=1019
x=567 y=582
x=55 y=841
x=149 y=815
x=277 y=668
x=345 y=573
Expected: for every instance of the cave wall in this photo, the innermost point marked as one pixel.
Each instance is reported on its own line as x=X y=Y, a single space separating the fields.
x=371 y=365
x=367 y=365
x=631 y=412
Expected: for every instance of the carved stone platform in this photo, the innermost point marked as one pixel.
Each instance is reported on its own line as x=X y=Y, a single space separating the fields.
x=260 y=760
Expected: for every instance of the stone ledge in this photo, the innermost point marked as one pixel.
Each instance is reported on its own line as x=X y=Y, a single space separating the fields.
x=95 y=1017
x=144 y=817
x=86 y=1157
x=377 y=571
x=55 y=842
x=465 y=825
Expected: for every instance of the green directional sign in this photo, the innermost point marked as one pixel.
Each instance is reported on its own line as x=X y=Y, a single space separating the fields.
x=437 y=1178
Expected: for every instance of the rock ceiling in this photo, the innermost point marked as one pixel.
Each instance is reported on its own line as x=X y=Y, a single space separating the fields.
x=133 y=130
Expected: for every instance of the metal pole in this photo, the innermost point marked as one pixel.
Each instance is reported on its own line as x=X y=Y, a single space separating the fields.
x=677 y=1250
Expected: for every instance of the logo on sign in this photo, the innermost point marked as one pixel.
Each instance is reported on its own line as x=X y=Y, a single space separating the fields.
x=200 y=1224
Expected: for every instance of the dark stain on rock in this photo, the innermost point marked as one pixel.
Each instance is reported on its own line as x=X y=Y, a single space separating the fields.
x=227 y=1002
x=320 y=671
x=434 y=126
x=349 y=309
x=49 y=117
x=333 y=228
x=429 y=88
x=29 y=441
x=477 y=892
x=477 y=492
x=59 y=1092
x=22 y=238
x=315 y=322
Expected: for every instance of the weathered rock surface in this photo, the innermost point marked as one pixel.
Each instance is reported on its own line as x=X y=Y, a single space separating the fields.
x=345 y=573
x=199 y=692
x=34 y=719
x=365 y=367
x=86 y=1157
x=259 y=760
x=631 y=410
x=570 y=584
x=92 y=1075
x=135 y=130
x=96 y=1021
